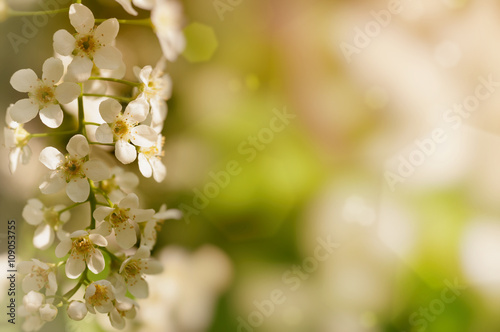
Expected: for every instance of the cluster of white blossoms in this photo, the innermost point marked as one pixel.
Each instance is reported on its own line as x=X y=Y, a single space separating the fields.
x=112 y=277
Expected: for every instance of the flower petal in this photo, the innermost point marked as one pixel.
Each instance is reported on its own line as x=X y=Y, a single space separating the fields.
x=24 y=80
x=108 y=57
x=98 y=239
x=125 y=236
x=103 y=134
x=78 y=190
x=131 y=201
x=53 y=70
x=169 y=214
x=52 y=183
x=67 y=92
x=159 y=169
x=81 y=18
x=145 y=4
x=75 y=266
x=144 y=136
x=142 y=253
x=96 y=262
x=107 y=31
x=140 y=215
x=78 y=146
x=43 y=237
x=140 y=289
x=32 y=212
x=137 y=110
x=151 y=266
x=79 y=69
x=127 y=5
x=24 y=110
x=144 y=165
x=64 y=42
x=110 y=110
x=102 y=212
x=117 y=321
x=52 y=116
x=96 y=170
x=104 y=229
x=25 y=267
x=51 y=158
x=125 y=152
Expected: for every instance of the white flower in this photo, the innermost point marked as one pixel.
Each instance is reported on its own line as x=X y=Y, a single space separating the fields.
x=90 y=45
x=133 y=268
x=144 y=4
x=150 y=162
x=156 y=88
x=123 y=128
x=126 y=308
x=48 y=312
x=166 y=17
x=38 y=276
x=48 y=220
x=119 y=184
x=153 y=226
x=16 y=139
x=44 y=94
x=72 y=170
x=33 y=301
x=121 y=219
x=77 y=310
x=99 y=296
x=82 y=248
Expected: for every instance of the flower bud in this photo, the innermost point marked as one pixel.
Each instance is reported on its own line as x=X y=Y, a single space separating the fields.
x=48 y=312
x=77 y=310
x=33 y=301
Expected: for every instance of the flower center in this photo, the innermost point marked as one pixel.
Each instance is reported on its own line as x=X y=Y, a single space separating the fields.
x=100 y=296
x=83 y=245
x=108 y=185
x=131 y=270
x=121 y=129
x=44 y=95
x=118 y=217
x=87 y=44
x=51 y=217
x=22 y=136
x=73 y=168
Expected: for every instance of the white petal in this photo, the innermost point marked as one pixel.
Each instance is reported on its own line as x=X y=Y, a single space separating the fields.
x=107 y=31
x=117 y=321
x=31 y=283
x=126 y=237
x=77 y=310
x=108 y=57
x=51 y=157
x=169 y=214
x=24 y=80
x=14 y=157
x=96 y=170
x=25 y=267
x=43 y=237
x=26 y=154
x=53 y=70
x=145 y=4
x=81 y=18
x=98 y=239
x=159 y=170
x=125 y=152
x=48 y=312
x=52 y=283
x=145 y=74
x=144 y=136
x=24 y=110
x=75 y=266
x=79 y=69
x=104 y=134
x=52 y=183
x=137 y=110
x=52 y=116
x=153 y=266
x=104 y=229
x=63 y=247
x=127 y=5
x=64 y=42
x=78 y=190
x=32 y=212
x=96 y=262
x=78 y=146
x=102 y=212
x=140 y=289
x=110 y=110
x=67 y=92
x=142 y=253
x=131 y=201
x=140 y=215
x=144 y=166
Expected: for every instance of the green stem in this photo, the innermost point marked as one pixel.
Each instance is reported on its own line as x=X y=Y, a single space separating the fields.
x=67 y=132
x=81 y=115
x=106 y=197
x=16 y=13
x=98 y=143
x=73 y=290
x=70 y=207
x=91 y=123
x=93 y=204
x=116 y=80
x=122 y=99
x=144 y=22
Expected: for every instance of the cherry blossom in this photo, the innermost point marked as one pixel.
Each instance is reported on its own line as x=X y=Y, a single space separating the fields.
x=77 y=310
x=133 y=269
x=150 y=161
x=153 y=226
x=99 y=296
x=167 y=21
x=38 y=275
x=16 y=139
